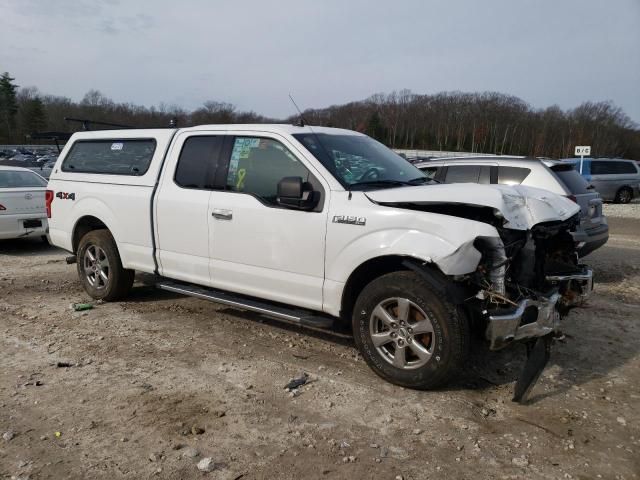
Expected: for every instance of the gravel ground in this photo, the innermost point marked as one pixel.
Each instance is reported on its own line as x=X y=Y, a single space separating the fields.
x=630 y=210
x=154 y=386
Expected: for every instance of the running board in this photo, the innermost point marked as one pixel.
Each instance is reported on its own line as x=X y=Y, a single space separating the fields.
x=274 y=310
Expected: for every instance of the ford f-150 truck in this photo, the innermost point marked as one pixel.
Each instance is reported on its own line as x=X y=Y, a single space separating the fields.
x=317 y=226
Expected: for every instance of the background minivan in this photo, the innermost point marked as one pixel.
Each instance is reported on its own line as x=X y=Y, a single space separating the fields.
x=615 y=179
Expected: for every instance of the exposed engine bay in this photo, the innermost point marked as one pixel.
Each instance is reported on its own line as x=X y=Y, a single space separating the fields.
x=530 y=264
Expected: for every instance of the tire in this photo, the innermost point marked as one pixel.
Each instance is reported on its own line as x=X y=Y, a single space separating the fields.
x=45 y=240
x=624 y=195
x=433 y=354
x=104 y=278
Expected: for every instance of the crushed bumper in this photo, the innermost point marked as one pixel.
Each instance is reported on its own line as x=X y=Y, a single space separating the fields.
x=576 y=287
x=534 y=318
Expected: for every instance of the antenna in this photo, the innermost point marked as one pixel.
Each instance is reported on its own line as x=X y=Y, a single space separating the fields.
x=318 y=140
x=301 y=119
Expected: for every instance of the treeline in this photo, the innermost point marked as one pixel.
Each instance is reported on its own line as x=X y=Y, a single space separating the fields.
x=487 y=123
x=451 y=121
x=27 y=110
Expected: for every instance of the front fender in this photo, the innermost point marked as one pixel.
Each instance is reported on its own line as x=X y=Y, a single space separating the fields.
x=454 y=254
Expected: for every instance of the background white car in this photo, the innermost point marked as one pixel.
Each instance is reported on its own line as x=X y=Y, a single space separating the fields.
x=22 y=203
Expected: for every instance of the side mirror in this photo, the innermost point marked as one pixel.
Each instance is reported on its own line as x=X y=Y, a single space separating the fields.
x=294 y=193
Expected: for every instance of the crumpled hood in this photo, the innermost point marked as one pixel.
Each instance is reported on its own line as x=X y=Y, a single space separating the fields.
x=522 y=207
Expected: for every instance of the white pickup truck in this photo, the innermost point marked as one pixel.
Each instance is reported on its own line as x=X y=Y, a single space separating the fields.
x=318 y=226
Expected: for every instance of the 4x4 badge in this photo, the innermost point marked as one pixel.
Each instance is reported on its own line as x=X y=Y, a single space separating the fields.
x=350 y=220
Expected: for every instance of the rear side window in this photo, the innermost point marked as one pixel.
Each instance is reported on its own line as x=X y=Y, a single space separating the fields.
x=198 y=162
x=20 y=179
x=463 y=173
x=611 y=167
x=512 y=175
x=113 y=157
x=571 y=179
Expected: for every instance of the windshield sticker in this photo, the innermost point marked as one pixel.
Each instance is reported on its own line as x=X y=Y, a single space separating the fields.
x=117 y=146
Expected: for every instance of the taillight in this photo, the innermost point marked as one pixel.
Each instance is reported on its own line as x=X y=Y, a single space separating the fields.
x=2 y=207
x=48 y=197
x=572 y=198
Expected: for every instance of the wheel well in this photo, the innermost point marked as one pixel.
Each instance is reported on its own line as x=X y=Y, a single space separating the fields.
x=363 y=275
x=84 y=226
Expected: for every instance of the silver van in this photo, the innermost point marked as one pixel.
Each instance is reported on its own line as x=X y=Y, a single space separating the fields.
x=616 y=180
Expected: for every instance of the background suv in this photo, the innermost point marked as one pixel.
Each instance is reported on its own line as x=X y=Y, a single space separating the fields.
x=556 y=176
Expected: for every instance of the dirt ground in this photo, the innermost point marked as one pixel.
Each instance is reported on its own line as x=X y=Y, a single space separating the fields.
x=148 y=387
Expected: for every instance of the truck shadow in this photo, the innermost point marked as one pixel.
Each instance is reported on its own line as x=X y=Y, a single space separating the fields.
x=28 y=247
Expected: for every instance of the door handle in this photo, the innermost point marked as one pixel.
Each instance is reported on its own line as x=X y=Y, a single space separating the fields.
x=221 y=214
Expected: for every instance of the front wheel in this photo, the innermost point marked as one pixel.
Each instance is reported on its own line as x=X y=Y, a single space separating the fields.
x=100 y=268
x=407 y=331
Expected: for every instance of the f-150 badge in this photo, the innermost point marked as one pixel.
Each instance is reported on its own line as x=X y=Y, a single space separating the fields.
x=349 y=219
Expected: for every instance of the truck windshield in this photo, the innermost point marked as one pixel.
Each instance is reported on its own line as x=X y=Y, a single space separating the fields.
x=359 y=162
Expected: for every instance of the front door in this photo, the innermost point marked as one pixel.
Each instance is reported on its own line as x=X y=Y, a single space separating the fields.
x=257 y=247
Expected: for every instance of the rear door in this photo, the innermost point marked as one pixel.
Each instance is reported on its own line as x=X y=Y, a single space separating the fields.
x=182 y=206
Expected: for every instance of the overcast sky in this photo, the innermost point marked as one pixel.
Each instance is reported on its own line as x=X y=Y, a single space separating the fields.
x=254 y=53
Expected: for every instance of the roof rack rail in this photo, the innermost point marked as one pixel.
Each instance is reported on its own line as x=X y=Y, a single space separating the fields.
x=86 y=123
x=55 y=136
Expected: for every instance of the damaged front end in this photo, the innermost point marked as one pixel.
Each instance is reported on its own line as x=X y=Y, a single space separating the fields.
x=528 y=281
x=528 y=276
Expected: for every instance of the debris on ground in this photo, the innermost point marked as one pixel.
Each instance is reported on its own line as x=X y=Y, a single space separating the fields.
x=520 y=461
x=64 y=364
x=297 y=382
x=79 y=307
x=190 y=452
x=8 y=435
x=206 y=465
x=197 y=430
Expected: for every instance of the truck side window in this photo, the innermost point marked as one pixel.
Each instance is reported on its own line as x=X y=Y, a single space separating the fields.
x=512 y=175
x=199 y=159
x=258 y=164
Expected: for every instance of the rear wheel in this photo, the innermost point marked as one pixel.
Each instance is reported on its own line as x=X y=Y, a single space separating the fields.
x=100 y=268
x=408 y=332
x=624 y=195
